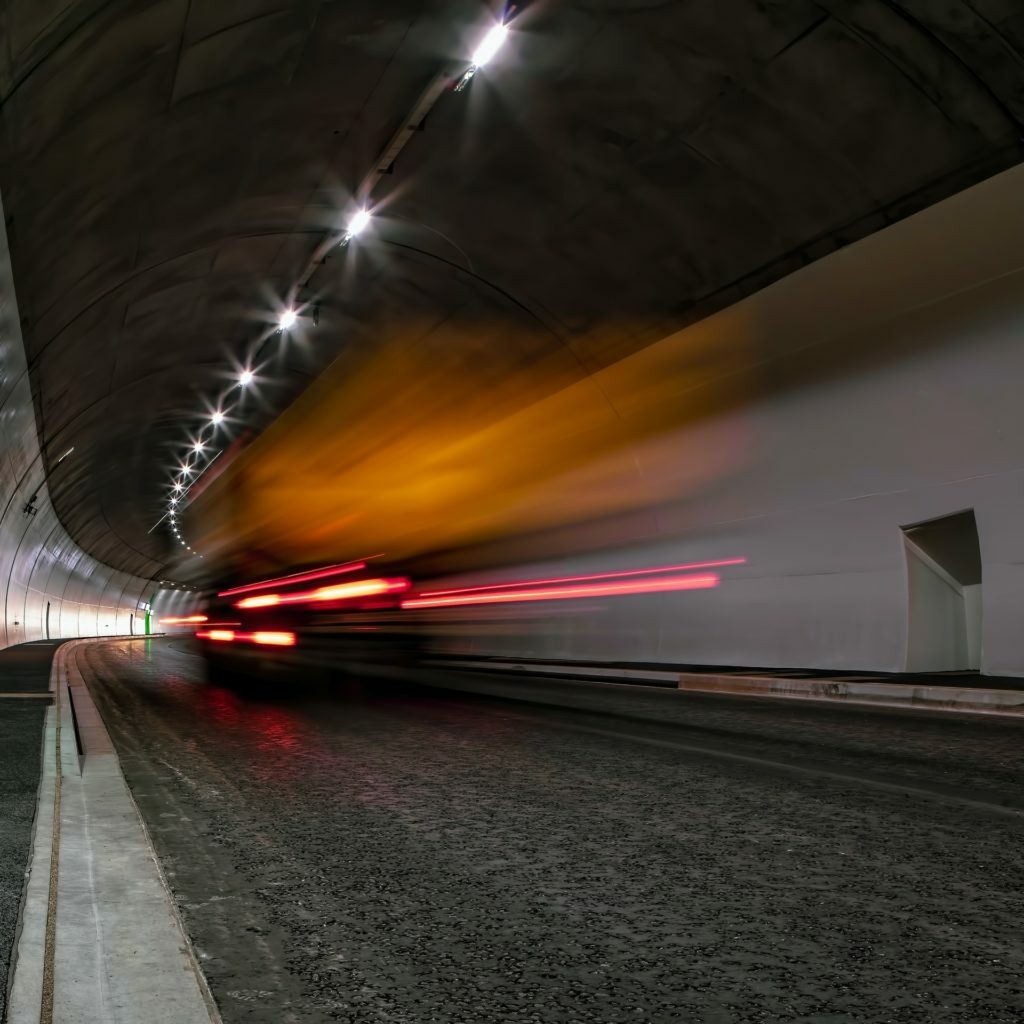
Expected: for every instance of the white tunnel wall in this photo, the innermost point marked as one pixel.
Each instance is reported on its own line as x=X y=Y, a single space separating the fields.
x=825 y=583
x=831 y=471
x=40 y=565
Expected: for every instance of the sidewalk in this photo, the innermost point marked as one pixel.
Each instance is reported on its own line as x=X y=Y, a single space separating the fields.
x=90 y=933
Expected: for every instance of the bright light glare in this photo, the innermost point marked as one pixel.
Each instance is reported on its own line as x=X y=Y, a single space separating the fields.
x=245 y=378
x=358 y=223
x=174 y=501
x=217 y=418
x=198 y=446
x=287 y=319
x=276 y=639
x=490 y=45
x=177 y=487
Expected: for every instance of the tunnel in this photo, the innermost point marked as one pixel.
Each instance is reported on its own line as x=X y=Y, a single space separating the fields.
x=511 y=511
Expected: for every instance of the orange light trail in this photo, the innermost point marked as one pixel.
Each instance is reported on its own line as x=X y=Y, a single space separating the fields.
x=580 y=579
x=563 y=593
x=299 y=577
x=216 y=634
x=338 y=592
x=274 y=639
x=183 y=620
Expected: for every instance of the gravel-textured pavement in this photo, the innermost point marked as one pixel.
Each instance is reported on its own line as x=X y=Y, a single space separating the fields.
x=383 y=853
x=23 y=669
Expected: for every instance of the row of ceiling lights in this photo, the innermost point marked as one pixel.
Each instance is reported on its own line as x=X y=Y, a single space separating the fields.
x=188 y=472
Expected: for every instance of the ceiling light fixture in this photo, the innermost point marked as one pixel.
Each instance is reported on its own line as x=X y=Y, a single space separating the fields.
x=358 y=223
x=490 y=45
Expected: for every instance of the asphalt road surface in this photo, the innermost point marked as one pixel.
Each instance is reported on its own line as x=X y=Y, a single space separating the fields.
x=24 y=680
x=385 y=852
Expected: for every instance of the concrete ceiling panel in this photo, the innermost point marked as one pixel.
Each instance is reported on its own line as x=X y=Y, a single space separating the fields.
x=624 y=168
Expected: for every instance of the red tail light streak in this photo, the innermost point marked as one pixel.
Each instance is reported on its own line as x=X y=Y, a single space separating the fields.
x=625 y=573
x=531 y=591
x=338 y=592
x=271 y=638
x=299 y=577
x=268 y=638
x=216 y=634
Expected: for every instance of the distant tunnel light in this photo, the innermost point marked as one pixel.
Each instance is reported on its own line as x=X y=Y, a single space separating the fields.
x=245 y=378
x=338 y=592
x=490 y=45
x=615 y=588
x=217 y=417
x=287 y=319
x=198 y=447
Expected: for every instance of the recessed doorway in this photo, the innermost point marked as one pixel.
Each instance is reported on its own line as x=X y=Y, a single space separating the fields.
x=944 y=594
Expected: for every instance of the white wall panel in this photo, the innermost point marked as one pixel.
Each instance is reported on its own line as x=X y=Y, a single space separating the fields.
x=39 y=563
x=929 y=423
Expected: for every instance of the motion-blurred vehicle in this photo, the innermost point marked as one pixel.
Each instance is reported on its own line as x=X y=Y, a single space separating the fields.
x=326 y=618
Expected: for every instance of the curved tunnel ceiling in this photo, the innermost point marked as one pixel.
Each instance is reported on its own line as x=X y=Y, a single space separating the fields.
x=622 y=168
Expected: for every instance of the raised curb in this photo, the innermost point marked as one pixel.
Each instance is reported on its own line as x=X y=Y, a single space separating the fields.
x=948 y=698
x=906 y=695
